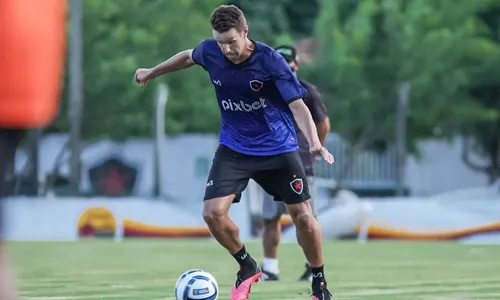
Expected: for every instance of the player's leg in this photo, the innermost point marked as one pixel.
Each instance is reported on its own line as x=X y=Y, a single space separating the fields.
x=289 y=182
x=9 y=139
x=271 y=215
x=307 y=275
x=309 y=237
x=228 y=178
x=222 y=227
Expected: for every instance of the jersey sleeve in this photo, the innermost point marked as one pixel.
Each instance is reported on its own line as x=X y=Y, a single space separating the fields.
x=286 y=82
x=198 y=54
x=316 y=105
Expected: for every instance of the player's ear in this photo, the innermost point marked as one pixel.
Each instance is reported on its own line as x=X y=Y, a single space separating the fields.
x=245 y=31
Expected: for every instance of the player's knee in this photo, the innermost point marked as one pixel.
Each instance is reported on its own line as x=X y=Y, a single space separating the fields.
x=305 y=221
x=213 y=214
x=271 y=225
x=302 y=216
x=271 y=229
x=271 y=233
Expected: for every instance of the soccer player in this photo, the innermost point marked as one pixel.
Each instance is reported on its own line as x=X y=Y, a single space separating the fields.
x=32 y=56
x=272 y=210
x=259 y=97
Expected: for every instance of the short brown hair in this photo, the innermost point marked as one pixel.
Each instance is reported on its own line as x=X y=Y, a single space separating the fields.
x=227 y=17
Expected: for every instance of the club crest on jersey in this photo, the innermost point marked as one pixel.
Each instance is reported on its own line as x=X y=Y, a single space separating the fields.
x=256 y=85
x=297 y=185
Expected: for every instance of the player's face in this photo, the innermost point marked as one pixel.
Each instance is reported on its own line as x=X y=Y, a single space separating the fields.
x=294 y=66
x=232 y=42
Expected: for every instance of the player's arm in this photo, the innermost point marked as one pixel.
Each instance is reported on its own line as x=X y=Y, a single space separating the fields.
x=304 y=120
x=306 y=124
x=319 y=114
x=181 y=60
x=292 y=93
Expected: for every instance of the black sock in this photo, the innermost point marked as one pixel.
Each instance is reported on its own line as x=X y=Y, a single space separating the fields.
x=318 y=277
x=244 y=258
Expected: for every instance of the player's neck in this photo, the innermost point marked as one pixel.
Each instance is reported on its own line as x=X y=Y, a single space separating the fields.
x=249 y=49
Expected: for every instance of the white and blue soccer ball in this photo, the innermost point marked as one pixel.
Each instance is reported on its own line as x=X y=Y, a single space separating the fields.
x=196 y=284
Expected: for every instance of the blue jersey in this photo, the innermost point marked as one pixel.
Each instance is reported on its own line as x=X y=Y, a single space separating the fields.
x=253 y=97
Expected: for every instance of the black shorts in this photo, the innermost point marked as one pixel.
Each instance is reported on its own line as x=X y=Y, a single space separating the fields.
x=9 y=140
x=281 y=176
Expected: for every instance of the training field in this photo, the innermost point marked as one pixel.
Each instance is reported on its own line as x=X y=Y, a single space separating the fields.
x=148 y=269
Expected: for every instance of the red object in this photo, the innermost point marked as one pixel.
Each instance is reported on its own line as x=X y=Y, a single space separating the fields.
x=32 y=46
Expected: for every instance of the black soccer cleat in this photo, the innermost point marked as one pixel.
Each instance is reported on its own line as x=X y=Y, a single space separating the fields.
x=307 y=275
x=268 y=276
x=321 y=292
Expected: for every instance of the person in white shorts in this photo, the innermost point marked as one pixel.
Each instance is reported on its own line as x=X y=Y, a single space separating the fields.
x=273 y=208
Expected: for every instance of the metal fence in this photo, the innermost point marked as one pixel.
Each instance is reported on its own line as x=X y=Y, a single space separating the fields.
x=358 y=169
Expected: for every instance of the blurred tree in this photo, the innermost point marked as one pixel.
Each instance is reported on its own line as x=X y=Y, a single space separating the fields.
x=279 y=21
x=266 y=20
x=120 y=36
x=302 y=16
x=483 y=137
x=368 y=48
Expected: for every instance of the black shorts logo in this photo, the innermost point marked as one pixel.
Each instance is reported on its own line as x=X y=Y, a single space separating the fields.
x=256 y=85
x=297 y=185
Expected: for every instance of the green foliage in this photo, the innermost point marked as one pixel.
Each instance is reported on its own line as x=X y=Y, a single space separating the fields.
x=302 y=15
x=369 y=47
x=485 y=88
x=272 y=21
x=265 y=20
x=120 y=36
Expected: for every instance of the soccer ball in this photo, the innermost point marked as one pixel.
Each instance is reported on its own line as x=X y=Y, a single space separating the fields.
x=196 y=284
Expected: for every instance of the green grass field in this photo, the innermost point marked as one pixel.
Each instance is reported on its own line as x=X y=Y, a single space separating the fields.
x=148 y=269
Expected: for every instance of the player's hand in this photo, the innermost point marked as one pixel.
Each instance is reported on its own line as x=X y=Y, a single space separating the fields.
x=321 y=152
x=142 y=76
